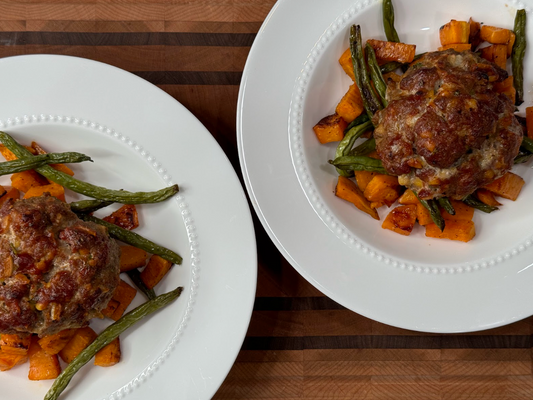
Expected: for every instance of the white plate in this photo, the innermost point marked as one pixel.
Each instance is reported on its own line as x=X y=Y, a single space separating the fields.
x=140 y=138
x=410 y=282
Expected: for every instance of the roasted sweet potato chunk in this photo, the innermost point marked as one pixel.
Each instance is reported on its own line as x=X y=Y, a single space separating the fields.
x=53 y=344
x=132 y=257
x=109 y=355
x=351 y=104
x=383 y=188
x=401 y=219
x=392 y=51
x=155 y=270
x=126 y=217
x=42 y=365
x=461 y=230
x=82 y=338
x=330 y=128
x=346 y=189
x=122 y=297
x=454 y=32
x=508 y=186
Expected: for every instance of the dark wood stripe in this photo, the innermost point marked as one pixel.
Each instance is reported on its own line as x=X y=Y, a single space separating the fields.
x=389 y=342
x=191 y=77
x=127 y=38
x=295 y=304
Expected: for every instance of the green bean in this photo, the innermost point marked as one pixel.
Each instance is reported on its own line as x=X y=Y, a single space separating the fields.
x=134 y=239
x=434 y=212
x=375 y=73
x=388 y=21
x=362 y=77
x=522 y=157
x=87 y=189
x=368 y=146
x=390 y=67
x=473 y=202
x=25 y=164
x=346 y=144
x=359 y=163
x=527 y=144
x=517 y=55
x=445 y=203
x=107 y=336
x=135 y=277
x=361 y=119
x=88 y=206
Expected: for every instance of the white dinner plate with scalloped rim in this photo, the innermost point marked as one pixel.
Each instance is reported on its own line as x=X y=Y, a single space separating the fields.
x=140 y=138
x=291 y=80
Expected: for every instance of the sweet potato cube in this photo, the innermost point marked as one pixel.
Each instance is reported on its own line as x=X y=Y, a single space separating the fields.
x=510 y=45
x=346 y=189
x=529 y=122
x=363 y=177
x=126 y=217
x=507 y=87
x=422 y=215
x=508 y=186
x=462 y=230
x=346 y=63
x=123 y=295
x=454 y=32
x=10 y=360
x=499 y=55
x=155 y=270
x=392 y=51
x=456 y=46
x=53 y=344
x=82 y=338
x=110 y=308
x=53 y=188
x=383 y=188
x=132 y=257
x=408 y=197
x=351 y=104
x=15 y=344
x=462 y=211
x=42 y=365
x=401 y=219
x=495 y=35
x=474 y=37
x=108 y=355
x=25 y=180
x=330 y=128
x=12 y=193
x=487 y=197
x=487 y=53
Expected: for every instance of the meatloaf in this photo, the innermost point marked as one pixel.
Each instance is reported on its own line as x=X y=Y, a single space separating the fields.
x=446 y=131
x=56 y=271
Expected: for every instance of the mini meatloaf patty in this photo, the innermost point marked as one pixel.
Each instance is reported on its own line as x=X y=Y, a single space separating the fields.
x=446 y=131
x=56 y=271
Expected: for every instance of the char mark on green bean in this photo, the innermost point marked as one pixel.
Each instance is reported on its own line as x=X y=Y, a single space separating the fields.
x=88 y=206
x=85 y=188
x=134 y=239
x=107 y=336
x=375 y=73
x=446 y=204
x=434 y=211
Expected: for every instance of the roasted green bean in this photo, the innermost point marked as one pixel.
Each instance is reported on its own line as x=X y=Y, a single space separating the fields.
x=107 y=336
x=388 y=21
x=375 y=73
x=346 y=144
x=445 y=203
x=473 y=202
x=88 y=206
x=134 y=239
x=362 y=76
x=434 y=211
x=359 y=163
x=390 y=67
x=527 y=144
x=135 y=277
x=25 y=164
x=87 y=189
x=368 y=146
x=361 y=119
x=517 y=55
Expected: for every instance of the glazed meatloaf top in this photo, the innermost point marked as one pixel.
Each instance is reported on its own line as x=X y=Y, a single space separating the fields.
x=56 y=271
x=446 y=131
